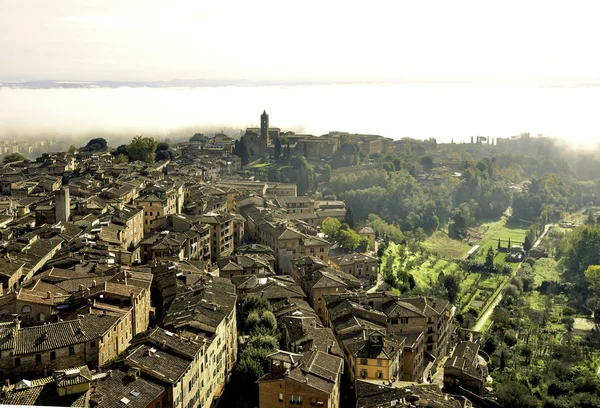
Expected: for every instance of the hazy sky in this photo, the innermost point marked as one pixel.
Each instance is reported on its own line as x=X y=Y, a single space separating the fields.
x=303 y=40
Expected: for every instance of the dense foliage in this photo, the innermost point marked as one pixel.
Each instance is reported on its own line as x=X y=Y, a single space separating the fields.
x=13 y=157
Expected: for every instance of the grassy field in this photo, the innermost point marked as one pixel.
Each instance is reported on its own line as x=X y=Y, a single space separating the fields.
x=261 y=166
x=446 y=247
x=546 y=269
x=475 y=289
x=502 y=230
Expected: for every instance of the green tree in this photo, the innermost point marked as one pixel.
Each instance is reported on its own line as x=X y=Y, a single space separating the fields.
x=514 y=394
x=452 y=287
x=199 y=137
x=303 y=175
x=162 y=155
x=277 y=148
x=273 y=174
x=330 y=226
x=592 y=276
x=121 y=159
x=363 y=245
x=527 y=244
x=263 y=341
x=261 y=322
x=427 y=163
x=122 y=149
x=253 y=302
x=382 y=228
x=96 y=144
x=72 y=149
x=241 y=150
x=325 y=175
x=349 y=218
x=462 y=218
x=162 y=146
x=489 y=259
x=14 y=157
x=348 y=239
x=590 y=218
x=583 y=249
x=142 y=149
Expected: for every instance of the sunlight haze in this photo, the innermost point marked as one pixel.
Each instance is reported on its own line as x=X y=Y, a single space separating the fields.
x=312 y=40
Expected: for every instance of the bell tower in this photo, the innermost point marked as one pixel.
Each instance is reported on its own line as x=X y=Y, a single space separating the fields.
x=264 y=131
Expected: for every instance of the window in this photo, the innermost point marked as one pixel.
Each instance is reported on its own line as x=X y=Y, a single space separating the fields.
x=280 y=396
x=299 y=399
x=292 y=399
x=17 y=362
x=52 y=355
x=71 y=350
x=26 y=309
x=379 y=362
x=363 y=373
x=364 y=361
x=404 y=320
x=38 y=358
x=158 y=213
x=379 y=374
x=93 y=344
x=395 y=320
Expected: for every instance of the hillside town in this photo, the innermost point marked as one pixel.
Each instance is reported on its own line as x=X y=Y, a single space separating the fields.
x=144 y=284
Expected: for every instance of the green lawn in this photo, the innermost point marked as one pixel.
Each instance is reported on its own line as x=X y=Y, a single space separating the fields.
x=467 y=283
x=473 y=287
x=502 y=230
x=446 y=247
x=261 y=165
x=491 y=282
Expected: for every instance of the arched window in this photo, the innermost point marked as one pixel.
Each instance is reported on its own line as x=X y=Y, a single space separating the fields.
x=26 y=309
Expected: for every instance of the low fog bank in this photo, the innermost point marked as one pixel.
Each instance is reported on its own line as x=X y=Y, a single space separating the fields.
x=64 y=139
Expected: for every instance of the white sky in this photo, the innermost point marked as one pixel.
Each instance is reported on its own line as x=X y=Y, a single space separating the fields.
x=304 y=40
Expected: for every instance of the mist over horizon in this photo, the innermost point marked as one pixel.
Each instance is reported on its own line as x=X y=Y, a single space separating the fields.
x=447 y=112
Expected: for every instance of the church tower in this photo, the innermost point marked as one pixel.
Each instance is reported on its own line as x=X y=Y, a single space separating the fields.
x=264 y=131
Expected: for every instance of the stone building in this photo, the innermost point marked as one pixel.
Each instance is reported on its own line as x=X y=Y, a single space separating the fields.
x=312 y=379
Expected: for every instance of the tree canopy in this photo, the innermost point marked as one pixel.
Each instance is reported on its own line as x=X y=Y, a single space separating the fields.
x=142 y=149
x=14 y=157
x=96 y=144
